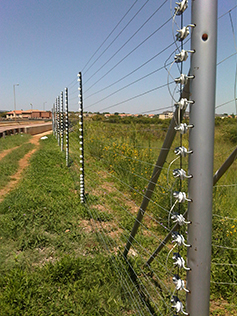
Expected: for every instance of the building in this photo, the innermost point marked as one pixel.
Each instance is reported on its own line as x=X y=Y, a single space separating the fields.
x=166 y=115
x=29 y=114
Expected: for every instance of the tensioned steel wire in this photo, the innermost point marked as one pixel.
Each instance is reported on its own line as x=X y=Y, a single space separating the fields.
x=105 y=237
x=142 y=7
x=74 y=81
x=127 y=55
x=130 y=40
x=137 y=251
x=136 y=190
x=137 y=244
x=108 y=36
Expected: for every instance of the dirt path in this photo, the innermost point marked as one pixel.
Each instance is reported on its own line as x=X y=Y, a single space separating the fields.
x=6 y=152
x=23 y=163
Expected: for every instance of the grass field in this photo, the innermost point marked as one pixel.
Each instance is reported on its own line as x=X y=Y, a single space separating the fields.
x=58 y=257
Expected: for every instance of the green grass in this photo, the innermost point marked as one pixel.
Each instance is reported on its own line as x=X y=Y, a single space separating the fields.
x=10 y=163
x=116 y=151
x=70 y=286
x=53 y=262
x=13 y=141
x=49 y=265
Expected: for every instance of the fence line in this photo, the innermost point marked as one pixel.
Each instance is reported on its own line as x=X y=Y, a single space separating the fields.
x=142 y=287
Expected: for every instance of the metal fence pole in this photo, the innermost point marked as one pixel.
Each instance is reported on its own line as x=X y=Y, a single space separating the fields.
x=58 y=121
x=62 y=121
x=201 y=140
x=66 y=127
x=81 y=138
x=53 y=119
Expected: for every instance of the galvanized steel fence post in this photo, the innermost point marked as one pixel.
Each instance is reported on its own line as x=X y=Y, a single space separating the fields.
x=53 y=119
x=202 y=116
x=56 y=118
x=62 y=121
x=81 y=139
x=66 y=127
x=58 y=121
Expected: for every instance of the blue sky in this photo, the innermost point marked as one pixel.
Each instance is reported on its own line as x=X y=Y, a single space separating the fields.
x=44 y=44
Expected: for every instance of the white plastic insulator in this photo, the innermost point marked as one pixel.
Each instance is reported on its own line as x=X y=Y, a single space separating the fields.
x=182 y=34
x=180 y=173
x=181 y=7
x=183 y=103
x=182 y=151
x=179 y=239
x=181 y=196
x=182 y=56
x=179 y=261
x=178 y=305
x=179 y=218
x=179 y=284
x=183 y=128
x=183 y=79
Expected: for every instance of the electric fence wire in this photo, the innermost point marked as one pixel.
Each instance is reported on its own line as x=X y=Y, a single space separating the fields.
x=224 y=247
x=113 y=42
x=138 y=307
x=118 y=221
x=109 y=36
x=126 y=86
x=130 y=40
x=120 y=61
x=130 y=73
x=224 y=264
x=228 y=248
x=226 y=185
x=130 y=266
x=130 y=289
x=146 y=215
x=154 y=194
x=138 y=253
x=227 y=12
x=120 y=225
x=134 y=97
x=75 y=79
x=134 y=190
x=220 y=62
